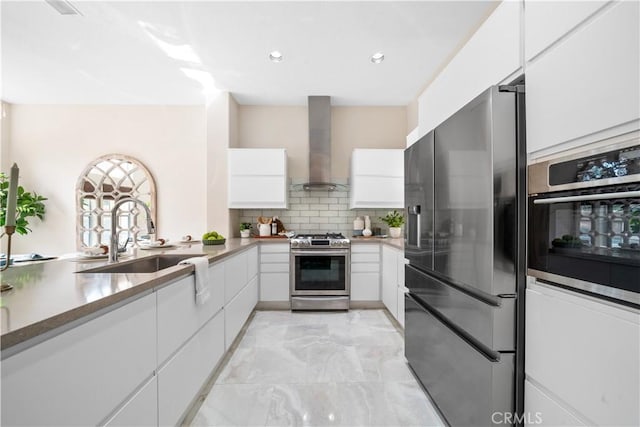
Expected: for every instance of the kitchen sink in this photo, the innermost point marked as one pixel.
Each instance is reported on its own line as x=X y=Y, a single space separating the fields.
x=150 y=264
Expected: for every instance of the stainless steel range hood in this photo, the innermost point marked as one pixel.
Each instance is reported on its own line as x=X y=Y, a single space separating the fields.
x=319 y=144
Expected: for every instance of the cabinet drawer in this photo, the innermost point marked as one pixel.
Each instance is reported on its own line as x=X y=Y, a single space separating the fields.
x=368 y=257
x=80 y=376
x=274 y=287
x=365 y=268
x=274 y=268
x=238 y=310
x=540 y=407
x=179 y=317
x=274 y=257
x=140 y=410
x=365 y=287
x=181 y=378
x=567 y=335
x=252 y=262
x=274 y=247
x=235 y=275
x=365 y=248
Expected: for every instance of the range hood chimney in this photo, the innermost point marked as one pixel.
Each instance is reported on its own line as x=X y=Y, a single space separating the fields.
x=319 y=144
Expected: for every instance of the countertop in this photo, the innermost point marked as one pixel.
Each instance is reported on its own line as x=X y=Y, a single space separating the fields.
x=397 y=243
x=48 y=295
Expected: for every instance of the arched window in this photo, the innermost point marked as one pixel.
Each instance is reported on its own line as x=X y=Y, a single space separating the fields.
x=102 y=183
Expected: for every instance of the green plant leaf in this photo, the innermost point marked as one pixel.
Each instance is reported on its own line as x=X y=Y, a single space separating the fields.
x=28 y=205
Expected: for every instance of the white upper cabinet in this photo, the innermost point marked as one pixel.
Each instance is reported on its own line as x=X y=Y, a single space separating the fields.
x=546 y=21
x=492 y=56
x=258 y=178
x=585 y=87
x=377 y=178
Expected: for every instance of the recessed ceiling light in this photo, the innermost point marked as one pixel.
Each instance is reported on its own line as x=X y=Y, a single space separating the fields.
x=275 y=56
x=377 y=57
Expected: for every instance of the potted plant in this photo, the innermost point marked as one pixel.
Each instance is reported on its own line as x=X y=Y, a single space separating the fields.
x=29 y=205
x=245 y=229
x=394 y=220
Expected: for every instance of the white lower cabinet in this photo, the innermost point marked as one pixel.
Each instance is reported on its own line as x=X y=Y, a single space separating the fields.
x=393 y=281
x=180 y=379
x=274 y=272
x=237 y=311
x=82 y=375
x=390 y=279
x=140 y=410
x=582 y=354
x=179 y=317
x=216 y=286
x=252 y=262
x=236 y=275
x=103 y=372
x=400 y=317
x=365 y=272
x=544 y=411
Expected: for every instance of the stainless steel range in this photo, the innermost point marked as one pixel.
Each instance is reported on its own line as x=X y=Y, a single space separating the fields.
x=320 y=272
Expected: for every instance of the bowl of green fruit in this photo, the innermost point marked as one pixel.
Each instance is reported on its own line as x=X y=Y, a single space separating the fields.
x=213 y=238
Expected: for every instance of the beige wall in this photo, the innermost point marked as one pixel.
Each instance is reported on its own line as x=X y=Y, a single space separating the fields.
x=364 y=127
x=277 y=127
x=53 y=144
x=184 y=147
x=352 y=127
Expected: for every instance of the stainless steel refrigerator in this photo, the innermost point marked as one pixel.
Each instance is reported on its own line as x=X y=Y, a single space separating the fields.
x=464 y=312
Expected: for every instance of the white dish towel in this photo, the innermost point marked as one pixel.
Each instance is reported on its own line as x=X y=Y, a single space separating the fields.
x=202 y=277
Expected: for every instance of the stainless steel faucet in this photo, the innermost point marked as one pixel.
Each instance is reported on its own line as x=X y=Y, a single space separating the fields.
x=113 y=248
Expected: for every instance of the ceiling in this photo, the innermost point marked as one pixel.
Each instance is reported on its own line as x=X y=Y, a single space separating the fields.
x=183 y=52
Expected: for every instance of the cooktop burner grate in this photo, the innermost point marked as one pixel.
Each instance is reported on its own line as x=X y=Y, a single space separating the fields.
x=320 y=236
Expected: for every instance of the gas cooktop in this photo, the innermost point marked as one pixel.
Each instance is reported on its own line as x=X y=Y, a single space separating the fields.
x=319 y=241
x=320 y=236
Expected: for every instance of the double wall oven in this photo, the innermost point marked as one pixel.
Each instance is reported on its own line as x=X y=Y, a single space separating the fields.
x=584 y=221
x=320 y=272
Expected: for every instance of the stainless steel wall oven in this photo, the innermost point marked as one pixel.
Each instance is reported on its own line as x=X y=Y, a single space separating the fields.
x=584 y=221
x=320 y=272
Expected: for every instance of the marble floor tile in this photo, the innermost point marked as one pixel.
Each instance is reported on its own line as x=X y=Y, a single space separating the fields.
x=317 y=369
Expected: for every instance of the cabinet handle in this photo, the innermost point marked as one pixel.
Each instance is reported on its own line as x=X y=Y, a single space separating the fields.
x=586 y=197
x=415 y=210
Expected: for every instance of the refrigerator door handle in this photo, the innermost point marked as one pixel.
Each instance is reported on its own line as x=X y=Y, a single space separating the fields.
x=415 y=210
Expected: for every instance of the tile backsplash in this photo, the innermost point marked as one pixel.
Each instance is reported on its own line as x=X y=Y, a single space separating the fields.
x=318 y=211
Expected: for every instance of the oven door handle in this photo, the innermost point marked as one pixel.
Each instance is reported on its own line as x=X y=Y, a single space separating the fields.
x=320 y=252
x=586 y=197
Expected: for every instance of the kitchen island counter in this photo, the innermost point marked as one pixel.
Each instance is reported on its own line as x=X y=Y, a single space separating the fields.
x=51 y=296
